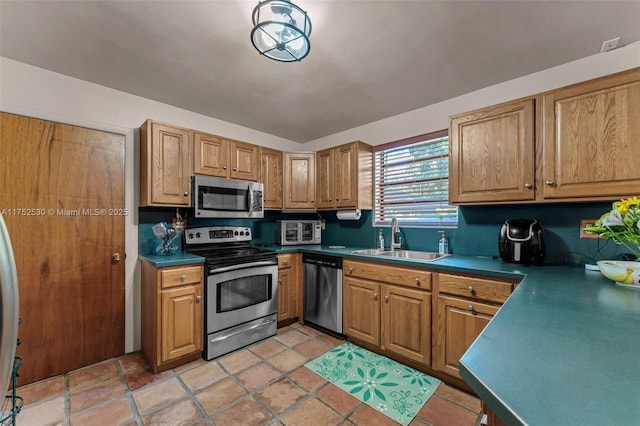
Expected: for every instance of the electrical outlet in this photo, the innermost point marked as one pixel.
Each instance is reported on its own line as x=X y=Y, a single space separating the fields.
x=584 y=223
x=322 y=224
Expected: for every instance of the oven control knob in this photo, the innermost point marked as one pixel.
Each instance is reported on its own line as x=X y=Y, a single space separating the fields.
x=236 y=233
x=198 y=235
x=190 y=235
x=241 y=233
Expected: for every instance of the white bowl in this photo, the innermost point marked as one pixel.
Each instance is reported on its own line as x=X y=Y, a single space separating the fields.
x=622 y=272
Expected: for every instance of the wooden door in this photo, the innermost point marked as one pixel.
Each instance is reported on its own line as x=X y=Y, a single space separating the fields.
x=166 y=164
x=245 y=161
x=181 y=321
x=62 y=197
x=299 y=180
x=210 y=155
x=346 y=175
x=325 y=182
x=458 y=323
x=592 y=139
x=492 y=154
x=406 y=323
x=271 y=178
x=362 y=310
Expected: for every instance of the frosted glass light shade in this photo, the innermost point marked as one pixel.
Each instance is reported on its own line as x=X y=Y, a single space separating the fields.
x=281 y=30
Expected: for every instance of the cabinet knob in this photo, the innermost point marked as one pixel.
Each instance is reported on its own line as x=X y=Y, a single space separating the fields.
x=417 y=280
x=337 y=199
x=285 y=263
x=548 y=182
x=386 y=299
x=471 y=289
x=350 y=270
x=186 y=194
x=183 y=277
x=224 y=167
x=375 y=296
x=528 y=185
x=234 y=169
x=311 y=201
x=198 y=298
x=279 y=281
x=470 y=308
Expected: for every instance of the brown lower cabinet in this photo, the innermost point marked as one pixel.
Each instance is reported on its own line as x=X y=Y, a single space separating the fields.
x=388 y=308
x=172 y=314
x=289 y=288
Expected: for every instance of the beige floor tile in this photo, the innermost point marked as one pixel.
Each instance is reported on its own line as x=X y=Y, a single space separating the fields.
x=258 y=375
x=47 y=412
x=287 y=360
x=133 y=361
x=140 y=378
x=280 y=395
x=93 y=374
x=307 y=379
x=115 y=413
x=220 y=394
x=40 y=391
x=440 y=412
x=367 y=416
x=268 y=348
x=158 y=394
x=203 y=376
x=309 y=331
x=332 y=341
x=311 y=412
x=292 y=337
x=238 y=360
x=188 y=366
x=85 y=397
x=183 y=412
x=247 y=412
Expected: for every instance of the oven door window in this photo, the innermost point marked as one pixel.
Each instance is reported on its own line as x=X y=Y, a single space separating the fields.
x=224 y=199
x=243 y=292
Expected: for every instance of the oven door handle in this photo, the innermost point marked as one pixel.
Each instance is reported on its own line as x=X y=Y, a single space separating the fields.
x=244 y=330
x=242 y=266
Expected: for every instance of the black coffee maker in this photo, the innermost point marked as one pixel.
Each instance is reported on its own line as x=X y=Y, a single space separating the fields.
x=521 y=241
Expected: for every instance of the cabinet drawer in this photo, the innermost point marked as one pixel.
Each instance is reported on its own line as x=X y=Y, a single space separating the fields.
x=480 y=288
x=408 y=277
x=180 y=276
x=285 y=261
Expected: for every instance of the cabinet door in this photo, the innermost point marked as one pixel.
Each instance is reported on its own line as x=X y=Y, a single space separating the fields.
x=285 y=287
x=361 y=310
x=406 y=323
x=492 y=154
x=458 y=323
x=299 y=180
x=592 y=139
x=346 y=175
x=245 y=161
x=165 y=165
x=325 y=193
x=181 y=319
x=211 y=155
x=271 y=178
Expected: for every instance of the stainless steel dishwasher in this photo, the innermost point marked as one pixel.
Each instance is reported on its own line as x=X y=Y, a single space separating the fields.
x=323 y=291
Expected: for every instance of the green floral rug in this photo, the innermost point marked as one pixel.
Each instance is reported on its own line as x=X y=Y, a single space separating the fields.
x=393 y=389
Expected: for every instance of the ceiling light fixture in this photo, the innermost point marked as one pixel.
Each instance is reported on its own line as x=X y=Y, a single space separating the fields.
x=281 y=30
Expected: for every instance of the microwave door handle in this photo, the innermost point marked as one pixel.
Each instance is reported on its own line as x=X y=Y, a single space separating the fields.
x=250 y=199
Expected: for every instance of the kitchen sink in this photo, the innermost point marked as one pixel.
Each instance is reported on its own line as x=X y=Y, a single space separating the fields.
x=402 y=254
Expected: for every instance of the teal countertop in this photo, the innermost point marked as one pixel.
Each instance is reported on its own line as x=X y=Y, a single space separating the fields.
x=563 y=350
x=177 y=259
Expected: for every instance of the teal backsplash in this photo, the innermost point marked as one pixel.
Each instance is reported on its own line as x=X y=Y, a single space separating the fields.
x=476 y=234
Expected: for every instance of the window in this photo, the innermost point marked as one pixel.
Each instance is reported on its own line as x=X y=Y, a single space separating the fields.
x=411 y=182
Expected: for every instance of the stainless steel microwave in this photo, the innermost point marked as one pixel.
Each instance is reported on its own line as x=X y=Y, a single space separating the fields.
x=291 y=232
x=226 y=198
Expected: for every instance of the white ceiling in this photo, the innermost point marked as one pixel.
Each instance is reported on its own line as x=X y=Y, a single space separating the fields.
x=369 y=59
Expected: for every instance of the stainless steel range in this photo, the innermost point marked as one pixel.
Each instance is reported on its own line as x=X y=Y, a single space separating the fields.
x=241 y=287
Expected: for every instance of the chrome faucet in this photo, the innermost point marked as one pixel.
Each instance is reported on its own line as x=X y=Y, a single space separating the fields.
x=396 y=238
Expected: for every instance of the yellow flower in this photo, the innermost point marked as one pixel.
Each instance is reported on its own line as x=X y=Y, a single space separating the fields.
x=623 y=205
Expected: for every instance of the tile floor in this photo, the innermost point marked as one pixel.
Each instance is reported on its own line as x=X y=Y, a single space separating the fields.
x=263 y=384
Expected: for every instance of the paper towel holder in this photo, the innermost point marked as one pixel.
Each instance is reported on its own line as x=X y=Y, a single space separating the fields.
x=349 y=214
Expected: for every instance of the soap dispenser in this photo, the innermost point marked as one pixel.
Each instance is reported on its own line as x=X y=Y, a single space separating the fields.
x=443 y=245
x=380 y=240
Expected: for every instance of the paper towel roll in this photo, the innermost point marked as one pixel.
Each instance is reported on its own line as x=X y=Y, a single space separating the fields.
x=349 y=214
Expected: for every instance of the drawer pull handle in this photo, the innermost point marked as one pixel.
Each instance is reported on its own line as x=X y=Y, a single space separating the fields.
x=198 y=298
x=279 y=281
x=285 y=263
x=183 y=277
x=471 y=289
x=470 y=308
x=417 y=280
x=351 y=270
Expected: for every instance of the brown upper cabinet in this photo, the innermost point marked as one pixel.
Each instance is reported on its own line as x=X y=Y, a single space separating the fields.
x=345 y=177
x=165 y=165
x=591 y=139
x=577 y=143
x=218 y=156
x=299 y=180
x=492 y=154
x=271 y=178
